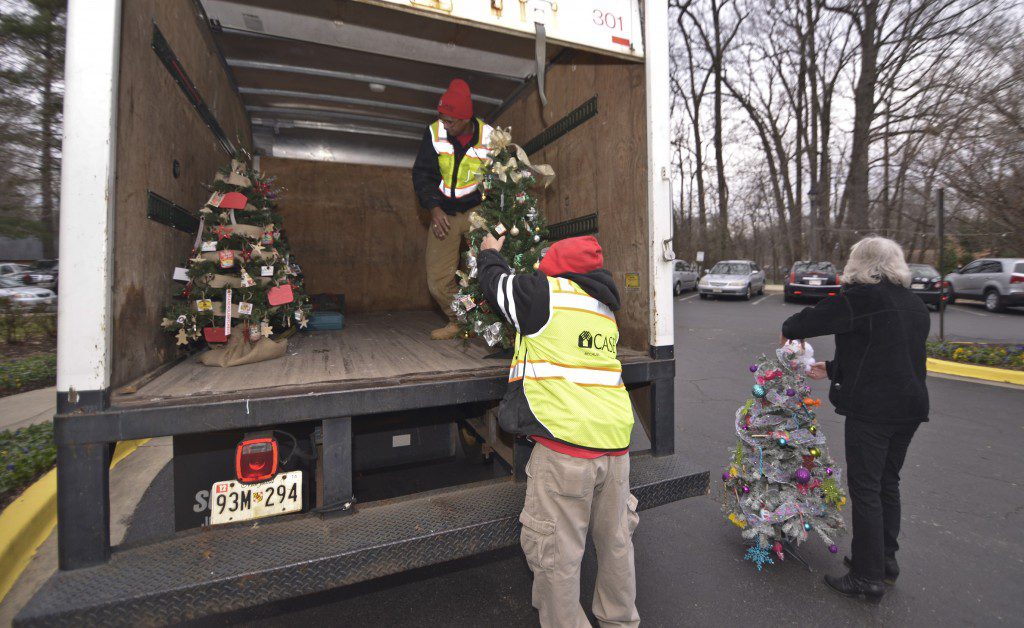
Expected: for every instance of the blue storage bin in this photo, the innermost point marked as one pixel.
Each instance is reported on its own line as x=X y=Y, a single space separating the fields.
x=326 y=321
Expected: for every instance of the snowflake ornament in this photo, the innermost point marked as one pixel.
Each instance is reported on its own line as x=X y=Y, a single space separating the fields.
x=759 y=556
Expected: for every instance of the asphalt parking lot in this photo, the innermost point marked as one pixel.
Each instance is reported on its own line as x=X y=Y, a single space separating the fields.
x=962 y=547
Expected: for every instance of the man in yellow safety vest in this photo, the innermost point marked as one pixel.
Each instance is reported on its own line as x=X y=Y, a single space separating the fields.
x=453 y=152
x=566 y=393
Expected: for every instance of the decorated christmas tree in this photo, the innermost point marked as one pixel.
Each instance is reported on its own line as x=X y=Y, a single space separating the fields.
x=781 y=485
x=242 y=286
x=509 y=209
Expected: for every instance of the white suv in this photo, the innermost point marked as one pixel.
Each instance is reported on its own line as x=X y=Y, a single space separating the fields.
x=999 y=282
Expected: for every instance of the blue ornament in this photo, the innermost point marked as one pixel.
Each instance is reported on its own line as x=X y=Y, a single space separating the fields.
x=759 y=391
x=782 y=442
x=807 y=527
x=759 y=556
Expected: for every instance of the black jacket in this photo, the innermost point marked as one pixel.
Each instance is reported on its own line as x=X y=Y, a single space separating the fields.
x=878 y=373
x=528 y=311
x=426 y=176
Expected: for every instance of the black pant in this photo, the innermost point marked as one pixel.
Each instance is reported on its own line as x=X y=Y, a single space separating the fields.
x=874 y=457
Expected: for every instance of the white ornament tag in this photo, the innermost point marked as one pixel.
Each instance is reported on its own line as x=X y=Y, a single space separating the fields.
x=180 y=274
x=245 y=308
x=266 y=271
x=227 y=312
x=209 y=246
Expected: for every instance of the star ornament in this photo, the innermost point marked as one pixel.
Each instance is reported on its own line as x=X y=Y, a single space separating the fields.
x=223 y=233
x=265 y=329
x=257 y=249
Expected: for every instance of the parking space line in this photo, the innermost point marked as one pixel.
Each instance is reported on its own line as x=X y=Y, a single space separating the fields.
x=689 y=297
x=961 y=308
x=767 y=296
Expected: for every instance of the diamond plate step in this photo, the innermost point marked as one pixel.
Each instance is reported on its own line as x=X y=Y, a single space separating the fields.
x=198 y=573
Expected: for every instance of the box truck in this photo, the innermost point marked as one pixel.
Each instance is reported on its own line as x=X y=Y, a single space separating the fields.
x=332 y=98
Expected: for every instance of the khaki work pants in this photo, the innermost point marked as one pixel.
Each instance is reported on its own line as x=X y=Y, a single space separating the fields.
x=443 y=261
x=565 y=496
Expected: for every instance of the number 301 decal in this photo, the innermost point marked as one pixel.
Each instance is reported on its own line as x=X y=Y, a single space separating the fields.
x=607 y=19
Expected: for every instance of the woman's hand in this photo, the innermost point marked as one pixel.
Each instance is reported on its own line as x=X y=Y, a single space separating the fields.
x=818 y=371
x=783 y=340
x=490 y=243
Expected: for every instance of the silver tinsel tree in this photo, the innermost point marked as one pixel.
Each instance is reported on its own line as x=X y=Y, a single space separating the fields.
x=781 y=484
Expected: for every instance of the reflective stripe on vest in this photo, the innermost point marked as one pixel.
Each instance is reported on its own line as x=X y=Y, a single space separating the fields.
x=570 y=373
x=473 y=162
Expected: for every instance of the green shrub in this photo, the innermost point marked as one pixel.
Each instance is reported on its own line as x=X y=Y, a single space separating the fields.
x=25 y=454
x=34 y=371
x=1006 y=356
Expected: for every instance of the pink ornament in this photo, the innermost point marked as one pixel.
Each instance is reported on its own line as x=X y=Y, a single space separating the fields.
x=760 y=380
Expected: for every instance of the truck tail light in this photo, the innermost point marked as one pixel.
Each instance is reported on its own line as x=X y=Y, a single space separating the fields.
x=256 y=460
x=1016 y=278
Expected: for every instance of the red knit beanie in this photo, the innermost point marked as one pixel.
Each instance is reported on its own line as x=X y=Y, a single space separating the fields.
x=572 y=255
x=457 y=101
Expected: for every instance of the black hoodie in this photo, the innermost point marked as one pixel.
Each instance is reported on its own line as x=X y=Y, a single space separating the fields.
x=528 y=311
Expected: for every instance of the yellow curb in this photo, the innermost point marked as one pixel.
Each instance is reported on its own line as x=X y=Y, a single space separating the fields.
x=29 y=519
x=976 y=371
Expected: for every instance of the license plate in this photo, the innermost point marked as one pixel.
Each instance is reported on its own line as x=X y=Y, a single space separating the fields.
x=716 y=289
x=917 y=286
x=815 y=282
x=233 y=501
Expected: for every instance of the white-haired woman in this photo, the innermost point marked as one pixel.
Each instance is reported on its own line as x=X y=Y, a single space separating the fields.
x=878 y=384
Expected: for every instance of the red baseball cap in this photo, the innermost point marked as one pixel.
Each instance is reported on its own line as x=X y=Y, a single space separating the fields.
x=572 y=255
x=457 y=102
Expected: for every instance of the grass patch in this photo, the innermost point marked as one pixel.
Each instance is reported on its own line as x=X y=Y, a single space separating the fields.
x=25 y=455
x=1004 y=356
x=27 y=373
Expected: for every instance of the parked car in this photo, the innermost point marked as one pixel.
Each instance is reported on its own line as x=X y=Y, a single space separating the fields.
x=809 y=279
x=12 y=270
x=926 y=283
x=684 y=277
x=999 y=282
x=742 y=278
x=43 y=274
x=25 y=296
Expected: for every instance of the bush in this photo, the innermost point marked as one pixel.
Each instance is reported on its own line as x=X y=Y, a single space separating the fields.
x=25 y=455
x=34 y=371
x=997 y=355
x=13 y=321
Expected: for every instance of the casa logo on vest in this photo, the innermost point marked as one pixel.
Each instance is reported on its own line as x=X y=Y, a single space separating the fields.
x=599 y=342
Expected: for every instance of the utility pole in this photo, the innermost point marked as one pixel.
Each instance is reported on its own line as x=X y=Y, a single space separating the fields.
x=941 y=219
x=812 y=195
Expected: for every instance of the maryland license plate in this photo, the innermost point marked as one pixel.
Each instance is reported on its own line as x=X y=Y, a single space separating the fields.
x=917 y=286
x=815 y=282
x=233 y=501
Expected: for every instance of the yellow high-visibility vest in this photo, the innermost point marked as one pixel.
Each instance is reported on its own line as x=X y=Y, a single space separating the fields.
x=571 y=374
x=464 y=181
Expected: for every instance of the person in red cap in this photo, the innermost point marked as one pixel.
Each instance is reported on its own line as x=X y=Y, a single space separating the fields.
x=453 y=152
x=566 y=394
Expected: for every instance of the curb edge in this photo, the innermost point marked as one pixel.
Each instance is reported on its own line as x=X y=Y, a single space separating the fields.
x=975 y=371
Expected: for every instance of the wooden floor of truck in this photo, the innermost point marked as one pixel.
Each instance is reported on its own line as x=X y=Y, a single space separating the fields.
x=374 y=349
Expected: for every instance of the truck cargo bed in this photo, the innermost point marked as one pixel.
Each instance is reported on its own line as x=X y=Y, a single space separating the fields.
x=375 y=349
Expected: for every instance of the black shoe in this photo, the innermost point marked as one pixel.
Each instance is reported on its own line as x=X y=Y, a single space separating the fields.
x=892 y=568
x=852 y=586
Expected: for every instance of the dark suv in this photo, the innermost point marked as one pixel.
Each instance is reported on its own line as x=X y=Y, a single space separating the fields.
x=811 y=280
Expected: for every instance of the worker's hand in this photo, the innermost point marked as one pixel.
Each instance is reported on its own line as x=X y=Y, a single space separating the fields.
x=783 y=340
x=818 y=371
x=439 y=224
x=490 y=243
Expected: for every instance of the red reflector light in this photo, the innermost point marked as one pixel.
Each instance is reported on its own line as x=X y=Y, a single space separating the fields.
x=256 y=460
x=797 y=292
x=831 y=294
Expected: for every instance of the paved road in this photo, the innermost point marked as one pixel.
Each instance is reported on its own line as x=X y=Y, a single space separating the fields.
x=962 y=556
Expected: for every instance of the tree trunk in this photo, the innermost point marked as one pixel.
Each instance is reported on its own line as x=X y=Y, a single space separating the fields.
x=856 y=194
x=47 y=166
x=723 y=189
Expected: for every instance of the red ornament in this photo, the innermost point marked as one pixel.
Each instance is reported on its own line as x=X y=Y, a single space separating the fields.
x=809 y=462
x=215 y=334
x=777 y=548
x=223 y=232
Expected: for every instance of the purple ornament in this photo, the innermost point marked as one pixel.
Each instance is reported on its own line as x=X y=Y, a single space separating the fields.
x=790 y=392
x=829 y=471
x=746 y=489
x=753 y=368
x=833 y=549
x=746 y=427
x=725 y=476
x=802 y=476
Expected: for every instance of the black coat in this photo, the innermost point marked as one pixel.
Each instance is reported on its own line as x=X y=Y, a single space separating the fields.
x=878 y=373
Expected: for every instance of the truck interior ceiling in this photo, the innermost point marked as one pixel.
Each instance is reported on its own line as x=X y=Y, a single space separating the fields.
x=334 y=99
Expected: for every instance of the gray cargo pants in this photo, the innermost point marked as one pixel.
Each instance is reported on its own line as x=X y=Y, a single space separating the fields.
x=565 y=496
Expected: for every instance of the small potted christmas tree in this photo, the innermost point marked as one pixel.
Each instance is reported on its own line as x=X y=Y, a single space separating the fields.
x=780 y=484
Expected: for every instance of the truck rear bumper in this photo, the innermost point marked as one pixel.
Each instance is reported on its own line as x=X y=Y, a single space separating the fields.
x=196 y=574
